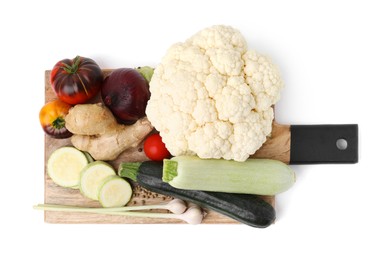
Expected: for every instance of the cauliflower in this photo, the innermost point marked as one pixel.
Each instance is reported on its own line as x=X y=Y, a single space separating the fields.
x=212 y=97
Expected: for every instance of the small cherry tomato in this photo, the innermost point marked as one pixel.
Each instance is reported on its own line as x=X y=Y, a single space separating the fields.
x=52 y=118
x=155 y=148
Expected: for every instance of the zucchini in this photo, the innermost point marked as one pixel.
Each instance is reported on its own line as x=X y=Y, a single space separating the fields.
x=64 y=166
x=92 y=177
x=88 y=156
x=114 y=192
x=254 y=176
x=245 y=208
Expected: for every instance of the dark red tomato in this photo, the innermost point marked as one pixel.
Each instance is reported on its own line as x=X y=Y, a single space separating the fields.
x=76 y=81
x=155 y=148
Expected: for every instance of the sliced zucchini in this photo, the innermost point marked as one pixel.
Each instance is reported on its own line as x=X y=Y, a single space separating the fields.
x=64 y=166
x=89 y=157
x=114 y=192
x=92 y=177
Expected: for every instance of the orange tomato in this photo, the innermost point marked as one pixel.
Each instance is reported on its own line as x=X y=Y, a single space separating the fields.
x=52 y=118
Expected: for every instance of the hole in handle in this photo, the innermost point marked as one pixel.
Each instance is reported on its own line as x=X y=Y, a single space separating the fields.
x=341 y=144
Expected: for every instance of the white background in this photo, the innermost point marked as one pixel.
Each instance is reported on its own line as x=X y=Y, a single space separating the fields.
x=334 y=58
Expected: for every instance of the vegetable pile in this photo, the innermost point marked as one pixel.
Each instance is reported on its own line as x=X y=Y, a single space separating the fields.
x=198 y=116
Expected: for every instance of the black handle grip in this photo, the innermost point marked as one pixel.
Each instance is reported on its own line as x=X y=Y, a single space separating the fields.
x=312 y=144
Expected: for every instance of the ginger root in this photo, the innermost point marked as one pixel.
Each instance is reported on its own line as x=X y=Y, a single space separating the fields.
x=96 y=131
x=90 y=119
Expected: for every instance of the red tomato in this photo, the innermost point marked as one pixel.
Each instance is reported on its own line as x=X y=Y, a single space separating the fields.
x=155 y=148
x=76 y=81
x=52 y=118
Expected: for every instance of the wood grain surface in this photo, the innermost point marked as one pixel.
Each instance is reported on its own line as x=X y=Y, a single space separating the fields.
x=277 y=147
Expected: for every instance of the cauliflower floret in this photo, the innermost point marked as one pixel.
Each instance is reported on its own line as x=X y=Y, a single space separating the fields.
x=212 y=97
x=261 y=77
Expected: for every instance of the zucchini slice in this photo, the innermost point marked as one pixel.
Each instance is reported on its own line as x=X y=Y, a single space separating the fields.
x=114 y=192
x=64 y=166
x=89 y=157
x=92 y=177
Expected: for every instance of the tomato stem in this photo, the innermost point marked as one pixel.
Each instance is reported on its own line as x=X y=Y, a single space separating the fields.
x=58 y=123
x=72 y=69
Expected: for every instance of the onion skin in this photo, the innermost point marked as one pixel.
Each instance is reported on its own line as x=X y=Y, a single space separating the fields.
x=126 y=93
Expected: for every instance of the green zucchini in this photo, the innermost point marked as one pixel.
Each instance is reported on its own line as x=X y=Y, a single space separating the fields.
x=245 y=208
x=254 y=176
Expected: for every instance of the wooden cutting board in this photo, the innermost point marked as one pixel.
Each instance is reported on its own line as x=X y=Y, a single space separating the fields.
x=286 y=143
x=55 y=194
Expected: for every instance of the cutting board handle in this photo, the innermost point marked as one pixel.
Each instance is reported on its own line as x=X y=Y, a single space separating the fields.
x=312 y=144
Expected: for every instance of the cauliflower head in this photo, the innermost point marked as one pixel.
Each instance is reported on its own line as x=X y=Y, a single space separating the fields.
x=212 y=97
